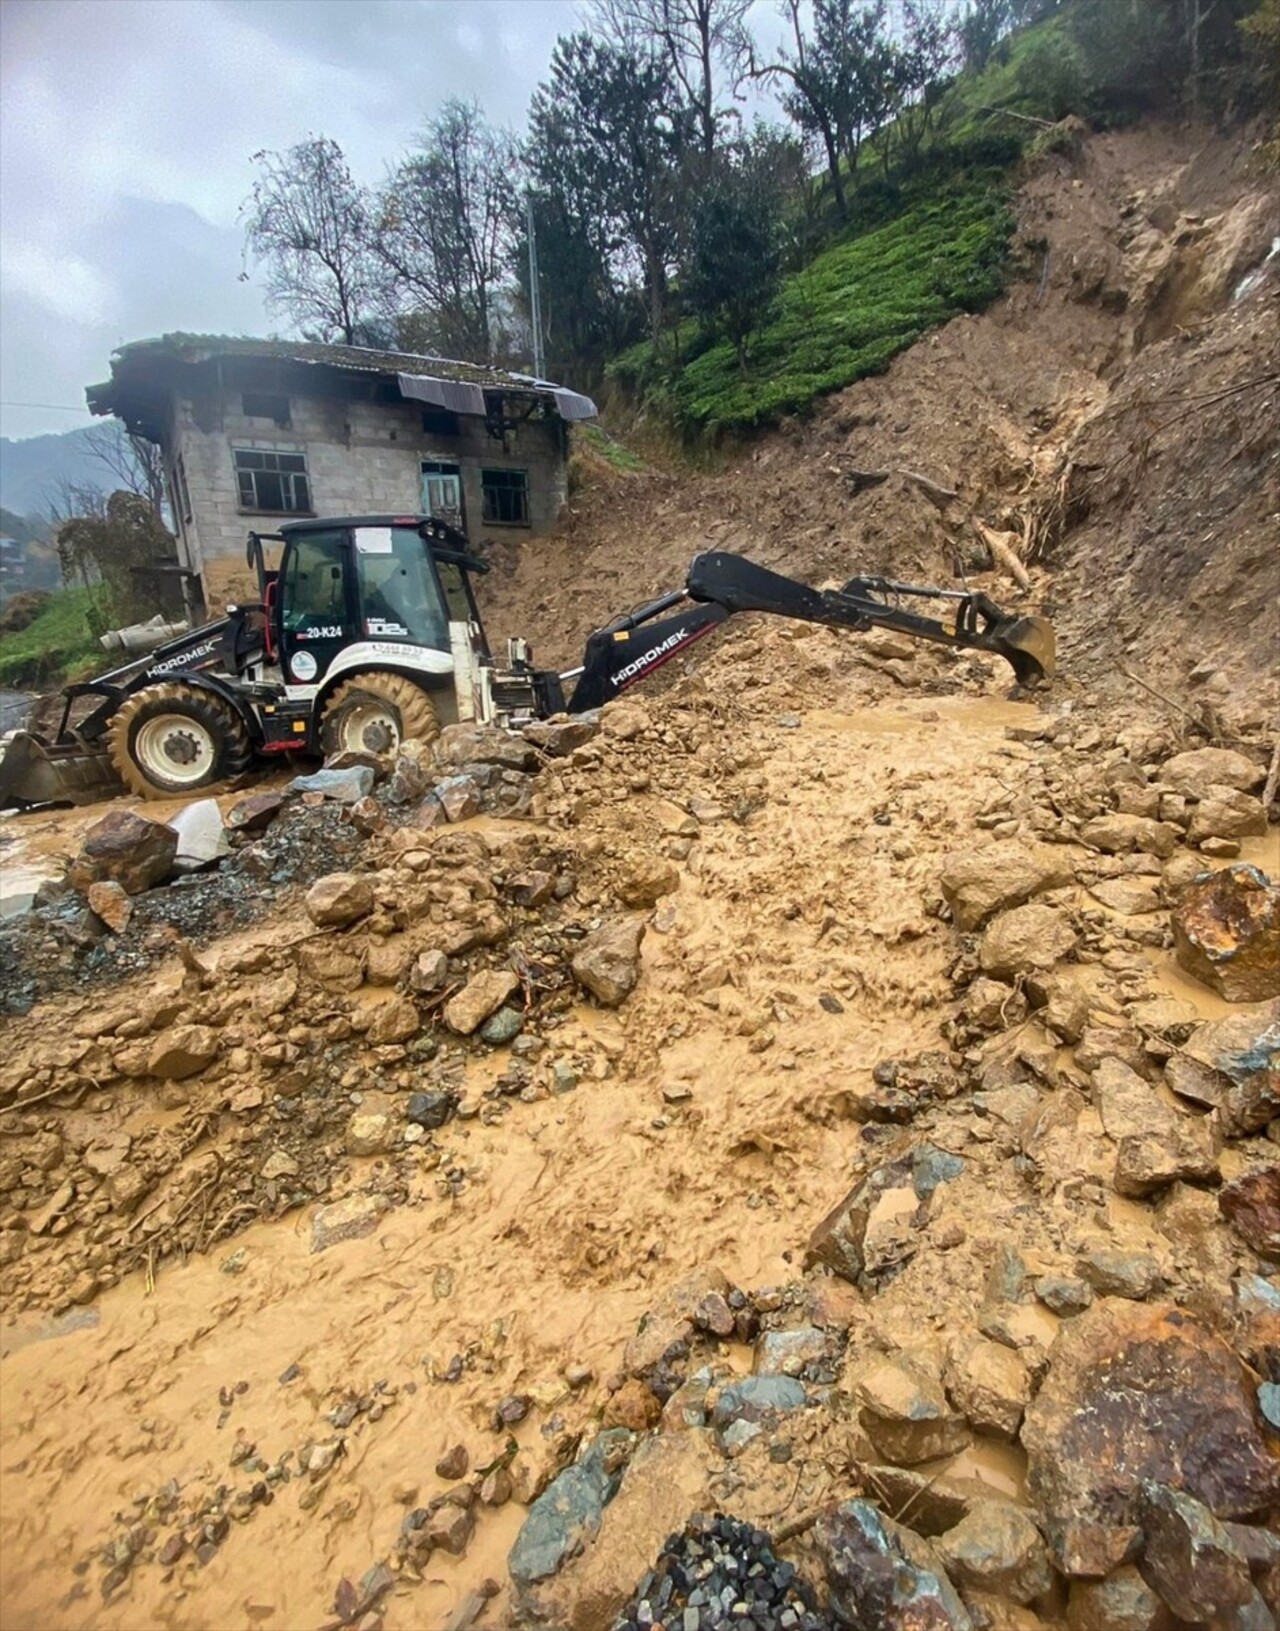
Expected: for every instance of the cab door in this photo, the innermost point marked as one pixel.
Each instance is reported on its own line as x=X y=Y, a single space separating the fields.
x=317 y=604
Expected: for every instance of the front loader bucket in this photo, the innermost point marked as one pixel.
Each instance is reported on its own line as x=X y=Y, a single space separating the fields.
x=1028 y=644
x=31 y=773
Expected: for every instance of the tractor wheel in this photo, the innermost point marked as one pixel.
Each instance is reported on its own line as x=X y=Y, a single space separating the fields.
x=374 y=713
x=174 y=739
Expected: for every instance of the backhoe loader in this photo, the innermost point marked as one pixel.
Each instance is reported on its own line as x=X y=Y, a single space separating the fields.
x=369 y=634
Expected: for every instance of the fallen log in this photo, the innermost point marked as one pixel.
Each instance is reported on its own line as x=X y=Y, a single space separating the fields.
x=1002 y=552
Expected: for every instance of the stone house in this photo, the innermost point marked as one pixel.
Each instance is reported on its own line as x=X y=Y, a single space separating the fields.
x=256 y=432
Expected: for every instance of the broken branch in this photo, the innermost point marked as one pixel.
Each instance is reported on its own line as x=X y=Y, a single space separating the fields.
x=1002 y=553
x=936 y=494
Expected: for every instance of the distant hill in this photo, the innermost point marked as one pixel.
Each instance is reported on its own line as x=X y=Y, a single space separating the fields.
x=32 y=470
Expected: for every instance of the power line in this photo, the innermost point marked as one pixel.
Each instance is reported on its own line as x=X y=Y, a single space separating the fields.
x=55 y=407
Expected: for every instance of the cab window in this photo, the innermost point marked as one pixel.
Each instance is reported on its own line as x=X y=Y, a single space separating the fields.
x=400 y=598
x=313 y=592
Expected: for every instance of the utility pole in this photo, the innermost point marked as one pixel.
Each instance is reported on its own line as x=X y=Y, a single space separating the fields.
x=535 y=298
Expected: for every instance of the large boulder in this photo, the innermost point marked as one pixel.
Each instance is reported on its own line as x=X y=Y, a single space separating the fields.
x=566 y=1517
x=1140 y=1392
x=127 y=849
x=1194 y=774
x=1226 y=813
x=607 y=963
x=880 y=1574
x=1188 y=1556
x=484 y=745
x=976 y=884
x=1024 y=941
x=1226 y=934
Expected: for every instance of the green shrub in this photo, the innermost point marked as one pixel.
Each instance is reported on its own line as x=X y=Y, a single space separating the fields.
x=56 y=643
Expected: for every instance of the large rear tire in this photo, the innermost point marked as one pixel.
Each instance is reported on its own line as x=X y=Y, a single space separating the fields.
x=375 y=712
x=174 y=739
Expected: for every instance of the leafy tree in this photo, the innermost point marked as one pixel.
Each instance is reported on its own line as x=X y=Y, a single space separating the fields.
x=922 y=67
x=103 y=546
x=1051 y=77
x=696 y=38
x=982 y=27
x=734 y=266
x=444 y=230
x=309 y=222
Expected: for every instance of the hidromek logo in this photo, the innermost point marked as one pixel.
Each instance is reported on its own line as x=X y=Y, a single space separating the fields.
x=648 y=658
x=183 y=659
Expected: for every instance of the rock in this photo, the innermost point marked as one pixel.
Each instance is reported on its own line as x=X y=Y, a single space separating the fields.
x=1226 y=813
x=1251 y=1205
x=1063 y=1294
x=531 y=888
x=369 y=1133
x=255 y=814
x=430 y=1110
x=347 y=1219
x=496 y=1488
x=1025 y=939
x=989 y=1385
x=127 y=849
x=1067 y=996
x=339 y=899
x=502 y=1027
x=459 y=797
x=559 y=737
x=340 y=786
x=1126 y=1103
x=658 y=1351
x=1233 y=1066
x=1135 y=1275
x=410 y=775
x=755 y=1399
x=880 y=1574
x=202 y=839
x=1192 y=774
x=482 y=995
x=905 y=1413
x=484 y=745
x=1226 y=934
x=1128 y=896
x=607 y=963
x=878 y=1225
x=624 y=721
x=976 y=884
x=997 y=1548
x=1117 y=834
x=1134 y=1392
x=449 y=1529
x=394 y=1021
x=1122 y=1602
x=633 y=1406
x=787 y=1353
x=279 y=1164
x=182 y=1051
x=1188 y=1556
x=430 y=971
x=645 y=879
x=567 y=1516
x=453 y=1463
x=127 y=1189
x=332 y=966
x=387 y=961
x=1147 y=1162
x=111 y=903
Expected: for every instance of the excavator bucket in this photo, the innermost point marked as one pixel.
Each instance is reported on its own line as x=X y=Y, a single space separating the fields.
x=31 y=773
x=1028 y=645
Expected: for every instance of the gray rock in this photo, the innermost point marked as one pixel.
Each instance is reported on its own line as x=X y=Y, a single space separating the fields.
x=880 y=1574
x=502 y=1027
x=347 y=786
x=1122 y=1274
x=755 y=1398
x=786 y=1353
x=567 y=1515
x=484 y=745
x=1122 y=1602
x=202 y=839
x=1233 y=1066
x=1188 y=1556
x=430 y=1110
x=1063 y=1295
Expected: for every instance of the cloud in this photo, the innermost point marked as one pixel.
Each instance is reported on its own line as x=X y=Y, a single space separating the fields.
x=65 y=286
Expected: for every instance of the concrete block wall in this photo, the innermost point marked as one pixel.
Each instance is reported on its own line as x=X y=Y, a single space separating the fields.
x=362 y=458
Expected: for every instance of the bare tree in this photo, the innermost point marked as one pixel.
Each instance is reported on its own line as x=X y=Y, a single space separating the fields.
x=698 y=39
x=135 y=464
x=309 y=222
x=444 y=229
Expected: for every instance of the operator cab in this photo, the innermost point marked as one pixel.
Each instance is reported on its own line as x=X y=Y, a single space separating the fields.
x=379 y=588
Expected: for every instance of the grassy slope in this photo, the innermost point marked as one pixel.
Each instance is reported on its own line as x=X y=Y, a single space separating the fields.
x=58 y=644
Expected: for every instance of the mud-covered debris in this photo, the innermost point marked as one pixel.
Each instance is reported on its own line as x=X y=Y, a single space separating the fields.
x=715 y=1575
x=989 y=1385
x=127 y=849
x=482 y=995
x=182 y=1051
x=346 y=1219
x=1193 y=774
x=1251 y=1205
x=1122 y=1602
x=1226 y=934
x=395 y=1021
x=646 y=879
x=607 y=963
x=1188 y=1556
x=1114 y=1273
x=1025 y=939
x=463 y=745
x=1117 y=834
x=339 y=899
x=559 y=737
x=1232 y=1066
x=110 y=901
x=1226 y=813
x=996 y=1547
x=1134 y=1392
x=878 y=1226
x=370 y=1133
x=976 y=884
x=633 y=1406
x=881 y=1574
x=905 y=1412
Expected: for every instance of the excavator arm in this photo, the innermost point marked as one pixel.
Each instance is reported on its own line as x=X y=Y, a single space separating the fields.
x=720 y=585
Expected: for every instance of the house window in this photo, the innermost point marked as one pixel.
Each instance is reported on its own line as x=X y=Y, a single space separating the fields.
x=274 y=482
x=506 y=497
x=440 y=422
x=181 y=492
x=257 y=405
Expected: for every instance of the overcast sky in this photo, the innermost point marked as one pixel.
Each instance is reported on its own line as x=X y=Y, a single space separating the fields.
x=126 y=133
